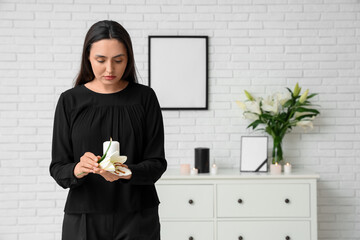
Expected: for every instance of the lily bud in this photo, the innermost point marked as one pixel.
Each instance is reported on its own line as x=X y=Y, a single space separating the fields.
x=241 y=105
x=297 y=90
x=248 y=95
x=304 y=96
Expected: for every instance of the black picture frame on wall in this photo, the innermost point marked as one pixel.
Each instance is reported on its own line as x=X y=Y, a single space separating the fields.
x=254 y=154
x=178 y=71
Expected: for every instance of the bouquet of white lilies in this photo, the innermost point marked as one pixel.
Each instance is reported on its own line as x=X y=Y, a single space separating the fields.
x=279 y=113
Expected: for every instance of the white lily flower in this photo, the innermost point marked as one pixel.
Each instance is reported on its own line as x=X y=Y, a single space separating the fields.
x=283 y=97
x=253 y=106
x=252 y=109
x=251 y=116
x=270 y=105
x=299 y=114
x=306 y=123
x=108 y=163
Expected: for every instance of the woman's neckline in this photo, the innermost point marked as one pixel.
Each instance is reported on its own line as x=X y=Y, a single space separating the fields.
x=92 y=91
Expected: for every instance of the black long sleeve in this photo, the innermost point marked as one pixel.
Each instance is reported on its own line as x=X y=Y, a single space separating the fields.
x=62 y=165
x=83 y=121
x=154 y=164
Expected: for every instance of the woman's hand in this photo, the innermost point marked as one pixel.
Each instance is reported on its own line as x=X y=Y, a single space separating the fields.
x=88 y=164
x=112 y=177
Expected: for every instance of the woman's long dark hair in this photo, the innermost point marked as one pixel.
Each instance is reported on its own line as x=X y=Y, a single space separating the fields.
x=106 y=30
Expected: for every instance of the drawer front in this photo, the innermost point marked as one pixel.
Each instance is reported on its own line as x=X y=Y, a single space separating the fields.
x=186 y=201
x=187 y=230
x=263 y=200
x=256 y=230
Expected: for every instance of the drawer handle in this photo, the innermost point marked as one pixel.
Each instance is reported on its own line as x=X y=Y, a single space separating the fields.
x=287 y=200
x=240 y=201
x=191 y=238
x=191 y=202
x=287 y=238
x=240 y=238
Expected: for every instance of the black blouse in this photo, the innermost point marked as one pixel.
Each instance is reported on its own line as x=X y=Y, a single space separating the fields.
x=83 y=121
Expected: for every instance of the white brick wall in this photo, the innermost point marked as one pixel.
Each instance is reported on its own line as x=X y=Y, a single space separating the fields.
x=259 y=45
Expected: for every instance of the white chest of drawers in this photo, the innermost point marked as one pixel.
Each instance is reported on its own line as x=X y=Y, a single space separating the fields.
x=238 y=206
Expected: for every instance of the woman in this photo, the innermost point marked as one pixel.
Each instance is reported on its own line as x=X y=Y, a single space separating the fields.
x=105 y=102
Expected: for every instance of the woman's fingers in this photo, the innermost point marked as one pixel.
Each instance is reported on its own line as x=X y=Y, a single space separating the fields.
x=90 y=158
x=80 y=171
x=90 y=155
x=90 y=167
x=109 y=176
x=88 y=164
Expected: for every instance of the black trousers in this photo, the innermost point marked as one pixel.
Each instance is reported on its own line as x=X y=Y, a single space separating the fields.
x=140 y=225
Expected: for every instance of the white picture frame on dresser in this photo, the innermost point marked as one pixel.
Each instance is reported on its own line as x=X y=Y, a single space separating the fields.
x=254 y=154
x=234 y=205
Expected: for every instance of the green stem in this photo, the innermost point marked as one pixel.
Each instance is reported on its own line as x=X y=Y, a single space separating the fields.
x=79 y=174
x=277 y=154
x=102 y=158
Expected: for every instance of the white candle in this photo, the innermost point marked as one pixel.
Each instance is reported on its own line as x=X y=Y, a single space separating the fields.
x=184 y=169
x=194 y=171
x=287 y=168
x=115 y=146
x=214 y=169
x=275 y=168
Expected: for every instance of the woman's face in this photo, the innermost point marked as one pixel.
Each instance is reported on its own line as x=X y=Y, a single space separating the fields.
x=108 y=58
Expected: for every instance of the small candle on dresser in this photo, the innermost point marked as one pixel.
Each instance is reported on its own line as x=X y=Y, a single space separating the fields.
x=275 y=168
x=194 y=171
x=184 y=169
x=287 y=168
x=214 y=169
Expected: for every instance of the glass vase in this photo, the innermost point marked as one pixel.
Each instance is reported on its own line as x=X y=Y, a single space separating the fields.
x=277 y=153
